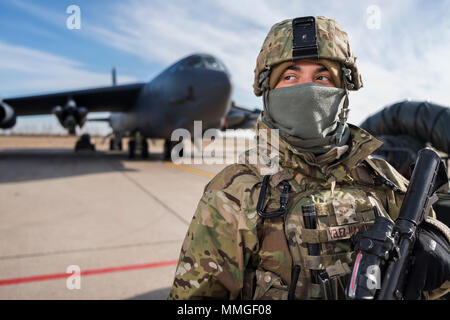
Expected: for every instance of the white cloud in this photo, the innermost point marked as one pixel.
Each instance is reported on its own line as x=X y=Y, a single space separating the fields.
x=163 y=32
x=44 y=13
x=26 y=71
x=405 y=58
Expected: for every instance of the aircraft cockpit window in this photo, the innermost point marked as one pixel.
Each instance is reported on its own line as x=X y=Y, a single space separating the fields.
x=194 y=62
x=198 y=62
x=174 y=68
x=214 y=64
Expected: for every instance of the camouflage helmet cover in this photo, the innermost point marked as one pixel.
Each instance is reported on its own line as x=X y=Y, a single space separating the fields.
x=332 y=44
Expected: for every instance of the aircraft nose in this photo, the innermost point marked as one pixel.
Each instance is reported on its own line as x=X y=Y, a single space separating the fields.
x=219 y=89
x=215 y=100
x=219 y=82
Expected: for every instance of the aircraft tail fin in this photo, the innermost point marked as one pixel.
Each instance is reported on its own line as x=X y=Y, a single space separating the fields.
x=114 y=76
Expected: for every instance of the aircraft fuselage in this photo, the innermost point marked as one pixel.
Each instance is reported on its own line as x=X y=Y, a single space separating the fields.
x=182 y=93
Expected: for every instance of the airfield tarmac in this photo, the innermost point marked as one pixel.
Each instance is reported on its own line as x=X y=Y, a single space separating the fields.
x=120 y=222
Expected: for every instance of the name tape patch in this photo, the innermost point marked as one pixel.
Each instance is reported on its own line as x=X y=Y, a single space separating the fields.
x=344 y=232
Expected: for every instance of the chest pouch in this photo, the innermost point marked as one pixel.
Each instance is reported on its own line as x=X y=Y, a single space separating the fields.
x=318 y=227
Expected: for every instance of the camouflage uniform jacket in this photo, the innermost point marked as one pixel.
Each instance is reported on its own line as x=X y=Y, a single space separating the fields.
x=229 y=250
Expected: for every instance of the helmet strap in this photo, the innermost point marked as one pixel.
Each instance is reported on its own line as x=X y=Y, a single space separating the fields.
x=264 y=79
x=343 y=115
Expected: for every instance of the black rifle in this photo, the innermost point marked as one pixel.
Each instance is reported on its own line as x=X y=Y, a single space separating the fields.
x=385 y=249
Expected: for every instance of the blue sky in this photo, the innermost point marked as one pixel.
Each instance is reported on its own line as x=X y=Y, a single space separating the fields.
x=406 y=57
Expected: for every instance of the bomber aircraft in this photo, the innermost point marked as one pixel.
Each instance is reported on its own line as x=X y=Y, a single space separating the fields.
x=197 y=87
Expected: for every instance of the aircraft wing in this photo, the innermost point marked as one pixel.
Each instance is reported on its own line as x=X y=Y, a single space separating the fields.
x=241 y=117
x=111 y=98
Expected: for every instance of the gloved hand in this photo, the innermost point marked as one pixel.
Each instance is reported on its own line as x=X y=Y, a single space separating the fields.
x=431 y=264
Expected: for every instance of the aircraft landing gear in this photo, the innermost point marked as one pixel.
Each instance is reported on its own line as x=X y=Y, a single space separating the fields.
x=138 y=142
x=84 y=143
x=115 y=143
x=131 y=148
x=144 y=150
x=168 y=147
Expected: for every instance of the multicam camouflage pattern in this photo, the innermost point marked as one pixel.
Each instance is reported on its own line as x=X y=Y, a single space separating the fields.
x=229 y=247
x=332 y=43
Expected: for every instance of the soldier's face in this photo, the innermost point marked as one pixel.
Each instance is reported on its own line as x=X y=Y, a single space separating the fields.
x=303 y=72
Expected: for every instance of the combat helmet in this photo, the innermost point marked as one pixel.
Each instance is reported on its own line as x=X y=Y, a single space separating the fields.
x=313 y=37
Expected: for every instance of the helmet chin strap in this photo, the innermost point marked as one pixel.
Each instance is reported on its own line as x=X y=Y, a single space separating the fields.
x=263 y=80
x=343 y=115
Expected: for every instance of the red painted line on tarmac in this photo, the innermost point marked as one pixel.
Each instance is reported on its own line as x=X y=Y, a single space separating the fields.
x=45 y=277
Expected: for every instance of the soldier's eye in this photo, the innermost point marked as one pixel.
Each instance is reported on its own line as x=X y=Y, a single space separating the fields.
x=324 y=78
x=289 y=78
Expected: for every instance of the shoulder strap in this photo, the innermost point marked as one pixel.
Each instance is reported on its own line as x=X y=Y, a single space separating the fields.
x=440 y=226
x=382 y=177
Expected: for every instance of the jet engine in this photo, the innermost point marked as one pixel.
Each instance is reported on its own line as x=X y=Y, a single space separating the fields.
x=70 y=115
x=7 y=116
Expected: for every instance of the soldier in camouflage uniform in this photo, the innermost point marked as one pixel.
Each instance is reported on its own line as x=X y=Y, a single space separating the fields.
x=234 y=249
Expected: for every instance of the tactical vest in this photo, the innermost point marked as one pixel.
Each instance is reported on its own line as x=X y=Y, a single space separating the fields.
x=298 y=260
